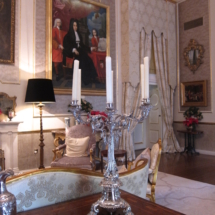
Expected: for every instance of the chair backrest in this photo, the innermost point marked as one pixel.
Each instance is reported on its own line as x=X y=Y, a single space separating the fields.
x=155 y=159
x=80 y=131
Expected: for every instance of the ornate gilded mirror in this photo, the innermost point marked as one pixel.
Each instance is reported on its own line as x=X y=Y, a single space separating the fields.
x=193 y=55
x=7 y=102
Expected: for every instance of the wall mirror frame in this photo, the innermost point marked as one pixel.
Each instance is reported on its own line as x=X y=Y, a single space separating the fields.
x=7 y=102
x=193 y=55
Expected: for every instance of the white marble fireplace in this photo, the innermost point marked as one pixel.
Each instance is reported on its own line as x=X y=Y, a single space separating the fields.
x=9 y=143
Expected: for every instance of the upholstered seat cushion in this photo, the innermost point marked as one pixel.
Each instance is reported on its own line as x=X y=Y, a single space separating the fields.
x=122 y=169
x=144 y=154
x=79 y=162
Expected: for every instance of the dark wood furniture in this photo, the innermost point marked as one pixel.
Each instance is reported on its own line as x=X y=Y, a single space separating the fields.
x=189 y=137
x=82 y=207
x=117 y=153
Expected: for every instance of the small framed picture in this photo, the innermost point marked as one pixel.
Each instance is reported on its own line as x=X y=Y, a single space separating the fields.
x=194 y=93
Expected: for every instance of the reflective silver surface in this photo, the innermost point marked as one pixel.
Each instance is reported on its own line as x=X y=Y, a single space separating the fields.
x=7 y=200
x=111 y=128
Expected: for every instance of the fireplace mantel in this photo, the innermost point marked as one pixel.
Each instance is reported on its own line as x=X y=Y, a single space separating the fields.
x=9 y=143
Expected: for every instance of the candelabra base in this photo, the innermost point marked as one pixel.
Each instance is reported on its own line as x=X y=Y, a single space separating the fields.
x=110 y=200
x=110 y=206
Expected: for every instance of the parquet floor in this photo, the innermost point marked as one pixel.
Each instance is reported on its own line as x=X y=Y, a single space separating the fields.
x=196 y=167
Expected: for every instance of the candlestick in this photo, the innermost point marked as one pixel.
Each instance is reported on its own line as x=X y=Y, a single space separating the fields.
x=146 y=77
x=109 y=80
x=79 y=87
x=75 y=80
x=142 y=81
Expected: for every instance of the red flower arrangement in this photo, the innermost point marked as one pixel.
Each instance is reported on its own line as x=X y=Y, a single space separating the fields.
x=192 y=116
x=0 y=112
x=93 y=112
x=190 y=121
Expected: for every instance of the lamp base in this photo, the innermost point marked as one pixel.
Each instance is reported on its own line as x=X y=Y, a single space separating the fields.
x=41 y=145
x=41 y=167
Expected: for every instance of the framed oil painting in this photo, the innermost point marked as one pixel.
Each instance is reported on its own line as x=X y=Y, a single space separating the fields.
x=194 y=93
x=7 y=29
x=77 y=29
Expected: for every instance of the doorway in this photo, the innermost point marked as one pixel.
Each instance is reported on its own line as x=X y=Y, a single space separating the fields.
x=148 y=132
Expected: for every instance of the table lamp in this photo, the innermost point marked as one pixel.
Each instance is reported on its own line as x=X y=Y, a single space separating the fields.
x=40 y=91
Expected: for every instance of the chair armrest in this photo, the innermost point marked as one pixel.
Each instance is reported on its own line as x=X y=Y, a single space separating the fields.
x=57 y=152
x=130 y=163
x=91 y=155
x=61 y=147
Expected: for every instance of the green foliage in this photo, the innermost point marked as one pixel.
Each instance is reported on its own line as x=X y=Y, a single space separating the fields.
x=85 y=106
x=193 y=112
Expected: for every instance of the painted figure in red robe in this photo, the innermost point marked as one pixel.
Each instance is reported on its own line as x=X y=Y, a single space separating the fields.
x=57 y=47
x=94 y=40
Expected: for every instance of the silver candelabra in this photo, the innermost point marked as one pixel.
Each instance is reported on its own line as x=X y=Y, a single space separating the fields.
x=111 y=129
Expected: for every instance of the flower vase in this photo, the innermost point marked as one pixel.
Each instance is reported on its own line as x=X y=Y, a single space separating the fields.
x=189 y=128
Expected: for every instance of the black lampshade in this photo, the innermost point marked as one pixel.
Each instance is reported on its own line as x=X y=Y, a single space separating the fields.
x=40 y=90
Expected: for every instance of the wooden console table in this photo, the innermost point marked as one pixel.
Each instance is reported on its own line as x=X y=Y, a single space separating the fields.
x=82 y=206
x=189 y=136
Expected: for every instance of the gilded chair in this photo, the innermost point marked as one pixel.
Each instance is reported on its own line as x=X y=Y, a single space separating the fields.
x=153 y=170
x=61 y=159
x=153 y=157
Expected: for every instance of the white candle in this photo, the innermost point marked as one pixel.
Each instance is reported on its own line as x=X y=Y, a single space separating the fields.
x=142 y=80
x=79 y=87
x=146 y=77
x=75 y=80
x=111 y=88
x=109 y=80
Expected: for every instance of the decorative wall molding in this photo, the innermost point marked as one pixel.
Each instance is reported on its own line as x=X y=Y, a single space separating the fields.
x=202 y=123
x=38 y=131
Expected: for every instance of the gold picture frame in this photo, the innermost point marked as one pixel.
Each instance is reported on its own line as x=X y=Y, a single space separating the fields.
x=7 y=29
x=7 y=102
x=95 y=91
x=194 y=93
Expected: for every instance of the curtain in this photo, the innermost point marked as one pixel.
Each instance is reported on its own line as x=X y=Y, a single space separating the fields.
x=170 y=143
x=130 y=102
x=145 y=45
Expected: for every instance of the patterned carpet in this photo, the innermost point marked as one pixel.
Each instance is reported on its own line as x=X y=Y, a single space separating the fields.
x=184 y=195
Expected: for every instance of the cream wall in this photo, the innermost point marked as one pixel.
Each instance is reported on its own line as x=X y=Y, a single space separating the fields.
x=157 y=15
x=204 y=143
